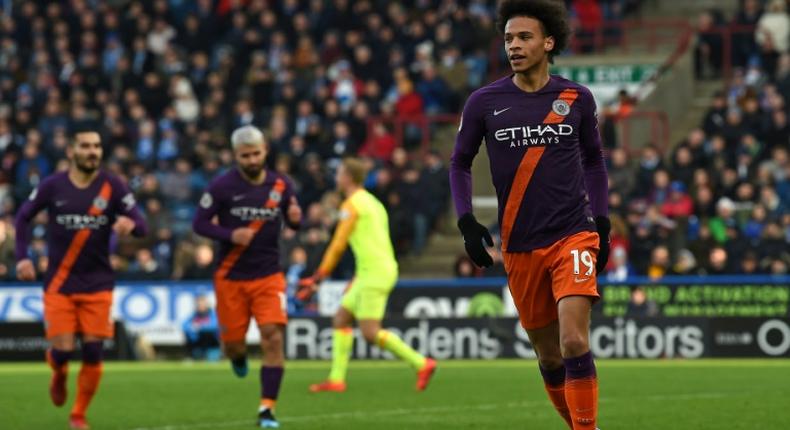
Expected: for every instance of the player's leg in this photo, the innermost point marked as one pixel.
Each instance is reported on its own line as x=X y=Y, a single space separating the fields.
x=373 y=333
x=60 y=317
x=95 y=325
x=271 y=373
x=269 y=306
x=233 y=314
x=581 y=386
x=546 y=342
x=575 y=289
x=530 y=285
x=342 y=342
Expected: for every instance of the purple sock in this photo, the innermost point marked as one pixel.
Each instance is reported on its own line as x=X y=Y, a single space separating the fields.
x=59 y=356
x=92 y=352
x=554 y=377
x=270 y=381
x=580 y=367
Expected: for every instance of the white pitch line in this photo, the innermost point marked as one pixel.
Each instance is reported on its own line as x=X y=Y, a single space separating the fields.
x=429 y=410
x=358 y=414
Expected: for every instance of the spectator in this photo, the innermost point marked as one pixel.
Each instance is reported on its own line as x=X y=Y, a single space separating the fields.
x=724 y=220
x=659 y=263
x=679 y=204
x=381 y=145
x=200 y=268
x=201 y=331
x=620 y=269
x=708 y=52
x=718 y=263
x=640 y=305
x=773 y=34
x=465 y=268
x=685 y=264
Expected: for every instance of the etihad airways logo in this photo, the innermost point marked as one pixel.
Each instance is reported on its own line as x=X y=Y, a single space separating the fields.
x=246 y=213
x=79 y=222
x=539 y=135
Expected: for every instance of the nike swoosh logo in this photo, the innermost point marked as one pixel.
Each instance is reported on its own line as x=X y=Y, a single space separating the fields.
x=497 y=112
x=60 y=203
x=237 y=198
x=578 y=281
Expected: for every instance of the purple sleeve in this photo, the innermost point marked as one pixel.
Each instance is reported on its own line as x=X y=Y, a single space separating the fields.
x=203 y=225
x=595 y=177
x=470 y=135
x=128 y=207
x=32 y=206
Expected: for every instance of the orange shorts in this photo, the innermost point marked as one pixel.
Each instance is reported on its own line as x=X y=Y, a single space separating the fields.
x=538 y=279
x=238 y=301
x=85 y=313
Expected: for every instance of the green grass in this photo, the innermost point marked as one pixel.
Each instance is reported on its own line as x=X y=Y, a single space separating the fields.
x=503 y=394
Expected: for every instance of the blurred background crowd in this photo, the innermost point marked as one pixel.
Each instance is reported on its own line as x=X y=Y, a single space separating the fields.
x=166 y=82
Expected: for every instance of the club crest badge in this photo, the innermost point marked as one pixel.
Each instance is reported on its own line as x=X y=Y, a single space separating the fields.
x=100 y=203
x=206 y=201
x=561 y=107
x=275 y=196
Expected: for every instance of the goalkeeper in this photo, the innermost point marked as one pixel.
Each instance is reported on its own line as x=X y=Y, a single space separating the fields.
x=364 y=224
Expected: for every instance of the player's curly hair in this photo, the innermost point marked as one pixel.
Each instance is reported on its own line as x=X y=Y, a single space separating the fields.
x=551 y=14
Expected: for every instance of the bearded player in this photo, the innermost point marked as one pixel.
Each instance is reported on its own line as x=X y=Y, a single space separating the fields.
x=365 y=225
x=250 y=204
x=85 y=206
x=548 y=170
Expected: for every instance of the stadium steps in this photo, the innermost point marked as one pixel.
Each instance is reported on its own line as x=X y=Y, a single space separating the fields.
x=703 y=98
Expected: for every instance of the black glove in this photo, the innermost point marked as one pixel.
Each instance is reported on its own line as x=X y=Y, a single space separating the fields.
x=603 y=226
x=474 y=234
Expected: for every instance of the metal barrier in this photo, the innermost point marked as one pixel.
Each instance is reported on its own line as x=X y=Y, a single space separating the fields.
x=727 y=34
x=634 y=124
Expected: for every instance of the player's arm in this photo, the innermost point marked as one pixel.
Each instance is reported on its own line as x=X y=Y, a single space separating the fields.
x=595 y=177
x=290 y=207
x=203 y=223
x=339 y=243
x=470 y=135
x=25 y=270
x=333 y=254
x=130 y=220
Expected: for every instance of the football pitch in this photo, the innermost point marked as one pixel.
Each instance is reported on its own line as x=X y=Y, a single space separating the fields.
x=500 y=394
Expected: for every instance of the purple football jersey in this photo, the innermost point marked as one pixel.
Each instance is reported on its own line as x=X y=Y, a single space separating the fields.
x=546 y=160
x=79 y=229
x=238 y=203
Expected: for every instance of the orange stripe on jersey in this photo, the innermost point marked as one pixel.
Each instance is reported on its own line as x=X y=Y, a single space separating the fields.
x=525 y=170
x=79 y=240
x=235 y=253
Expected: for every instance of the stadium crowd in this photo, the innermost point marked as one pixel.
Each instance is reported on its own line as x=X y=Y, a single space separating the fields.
x=719 y=201
x=167 y=81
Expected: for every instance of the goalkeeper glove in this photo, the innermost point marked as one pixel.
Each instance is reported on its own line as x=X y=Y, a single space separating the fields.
x=474 y=233
x=603 y=227
x=307 y=287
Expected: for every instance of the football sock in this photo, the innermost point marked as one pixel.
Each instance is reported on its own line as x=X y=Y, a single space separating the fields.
x=581 y=391
x=271 y=377
x=395 y=345
x=554 y=381
x=89 y=377
x=342 y=341
x=58 y=359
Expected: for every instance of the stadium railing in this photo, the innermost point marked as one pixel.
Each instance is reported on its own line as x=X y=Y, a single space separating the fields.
x=631 y=126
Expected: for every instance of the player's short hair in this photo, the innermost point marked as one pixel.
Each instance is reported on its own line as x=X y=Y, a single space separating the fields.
x=246 y=135
x=551 y=14
x=79 y=130
x=356 y=169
